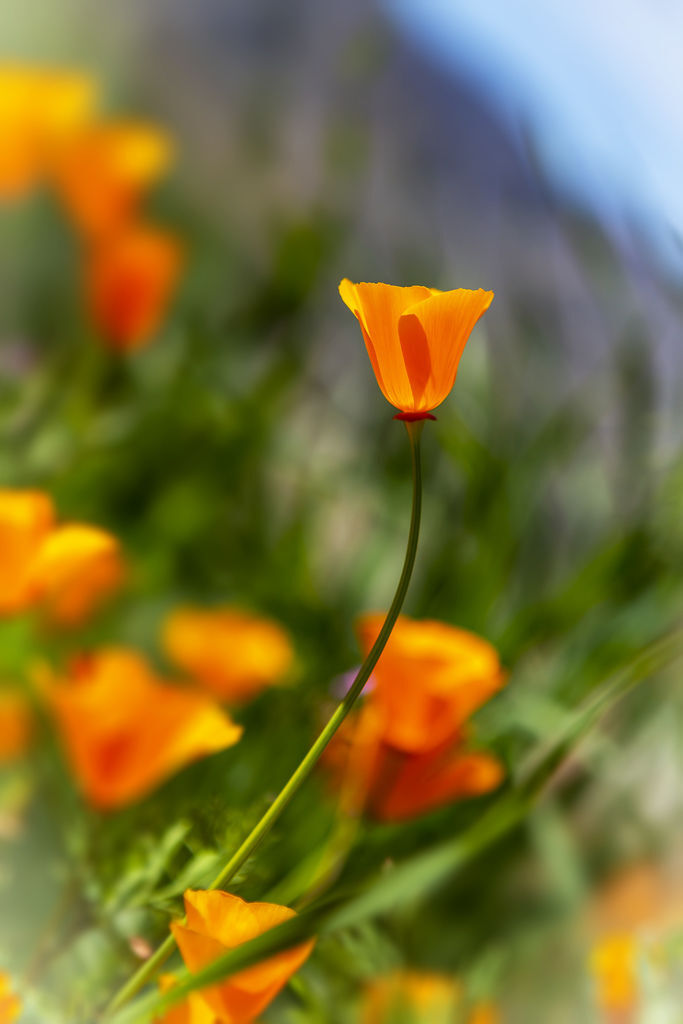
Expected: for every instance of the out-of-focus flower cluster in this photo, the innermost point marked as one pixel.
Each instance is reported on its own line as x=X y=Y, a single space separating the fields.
x=124 y=729
x=406 y=751
x=100 y=170
x=63 y=569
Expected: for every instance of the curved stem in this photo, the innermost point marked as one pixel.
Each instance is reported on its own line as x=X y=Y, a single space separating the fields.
x=301 y=773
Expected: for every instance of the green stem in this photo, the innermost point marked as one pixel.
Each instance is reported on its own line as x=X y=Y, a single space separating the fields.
x=306 y=766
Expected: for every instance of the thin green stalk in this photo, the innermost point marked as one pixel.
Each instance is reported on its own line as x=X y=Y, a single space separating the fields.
x=420 y=875
x=306 y=766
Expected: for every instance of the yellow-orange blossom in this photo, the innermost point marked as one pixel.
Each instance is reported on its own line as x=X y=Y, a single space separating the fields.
x=415 y=337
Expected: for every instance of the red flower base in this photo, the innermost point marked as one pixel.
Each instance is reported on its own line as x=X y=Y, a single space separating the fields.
x=411 y=417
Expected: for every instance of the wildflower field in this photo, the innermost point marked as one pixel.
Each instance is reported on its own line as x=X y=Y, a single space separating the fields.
x=340 y=616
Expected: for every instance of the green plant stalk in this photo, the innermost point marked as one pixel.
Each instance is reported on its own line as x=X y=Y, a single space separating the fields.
x=306 y=766
x=415 y=879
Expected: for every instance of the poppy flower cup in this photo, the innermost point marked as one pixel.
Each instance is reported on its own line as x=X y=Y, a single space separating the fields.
x=217 y=922
x=415 y=337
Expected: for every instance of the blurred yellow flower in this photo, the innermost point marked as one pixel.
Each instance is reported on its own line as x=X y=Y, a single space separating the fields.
x=16 y=725
x=10 y=1005
x=419 y=997
x=413 y=997
x=26 y=519
x=614 y=964
x=39 y=110
x=105 y=170
x=217 y=922
x=405 y=751
x=415 y=337
x=129 y=281
x=124 y=730
x=233 y=654
x=75 y=568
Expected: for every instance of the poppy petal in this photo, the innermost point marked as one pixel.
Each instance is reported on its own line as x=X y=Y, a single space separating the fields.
x=378 y=308
x=433 y=334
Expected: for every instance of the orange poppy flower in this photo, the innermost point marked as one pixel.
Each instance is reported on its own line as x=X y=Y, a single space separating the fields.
x=430 y=679
x=193 y=1010
x=415 y=337
x=125 y=730
x=392 y=785
x=405 y=752
x=405 y=786
x=10 y=1005
x=16 y=725
x=26 y=518
x=233 y=654
x=104 y=171
x=39 y=109
x=217 y=922
x=129 y=282
x=75 y=568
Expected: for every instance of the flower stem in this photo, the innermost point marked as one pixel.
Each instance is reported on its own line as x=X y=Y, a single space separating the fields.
x=301 y=773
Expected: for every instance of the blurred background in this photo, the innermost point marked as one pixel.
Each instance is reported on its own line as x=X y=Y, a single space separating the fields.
x=239 y=449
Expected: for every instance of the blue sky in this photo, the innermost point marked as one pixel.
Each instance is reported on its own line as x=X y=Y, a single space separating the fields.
x=600 y=84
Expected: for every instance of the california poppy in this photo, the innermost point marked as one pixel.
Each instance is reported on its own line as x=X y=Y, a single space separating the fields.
x=406 y=751
x=129 y=280
x=233 y=654
x=415 y=337
x=193 y=1010
x=405 y=786
x=39 y=109
x=26 y=519
x=10 y=1005
x=218 y=921
x=16 y=725
x=76 y=567
x=105 y=170
x=125 y=730
x=430 y=679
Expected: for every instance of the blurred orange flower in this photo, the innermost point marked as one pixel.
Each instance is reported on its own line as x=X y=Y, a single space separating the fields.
x=105 y=170
x=26 y=518
x=39 y=110
x=486 y=1013
x=231 y=653
x=76 y=567
x=125 y=730
x=10 y=1005
x=405 y=752
x=129 y=282
x=415 y=337
x=16 y=725
x=217 y=922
